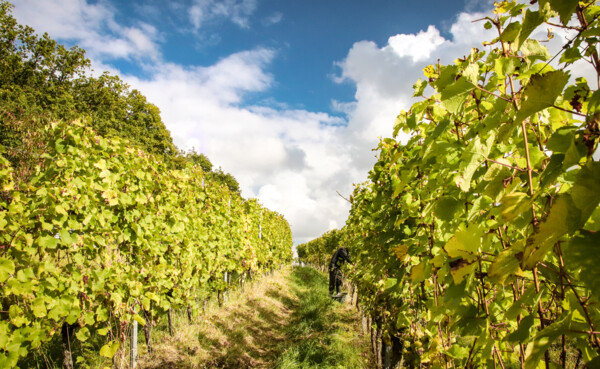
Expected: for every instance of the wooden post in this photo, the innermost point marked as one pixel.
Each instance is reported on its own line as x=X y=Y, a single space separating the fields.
x=387 y=355
x=66 y=346
x=170 y=316
x=364 y=323
x=226 y=279
x=133 y=349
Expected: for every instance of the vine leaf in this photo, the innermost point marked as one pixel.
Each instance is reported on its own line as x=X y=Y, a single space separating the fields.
x=541 y=93
x=540 y=343
x=514 y=204
x=549 y=231
x=504 y=265
x=445 y=208
x=455 y=95
x=582 y=253
x=586 y=190
x=465 y=243
x=471 y=160
x=7 y=267
x=531 y=21
x=109 y=349
x=565 y=8
x=523 y=332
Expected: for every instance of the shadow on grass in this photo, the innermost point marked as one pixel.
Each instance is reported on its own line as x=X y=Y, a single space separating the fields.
x=322 y=331
x=292 y=324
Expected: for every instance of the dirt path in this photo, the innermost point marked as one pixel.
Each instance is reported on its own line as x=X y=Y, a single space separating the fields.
x=287 y=320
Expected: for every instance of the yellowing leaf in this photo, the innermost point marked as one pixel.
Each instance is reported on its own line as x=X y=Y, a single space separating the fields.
x=541 y=92
x=400 y=251
x=110 y=349
x=139 y=319
x=465 y=243
x=514 y=204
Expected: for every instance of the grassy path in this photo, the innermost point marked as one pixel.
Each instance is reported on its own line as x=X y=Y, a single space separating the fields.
x=285 y=321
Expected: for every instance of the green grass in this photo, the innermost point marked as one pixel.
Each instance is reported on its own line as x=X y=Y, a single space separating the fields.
x=284 y=320
x=323 y=332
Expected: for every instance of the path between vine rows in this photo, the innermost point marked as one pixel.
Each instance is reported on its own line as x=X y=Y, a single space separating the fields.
x=285 y=320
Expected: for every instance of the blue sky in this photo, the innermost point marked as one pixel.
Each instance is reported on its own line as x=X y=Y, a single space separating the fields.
x=309 y=37
x=288 y=96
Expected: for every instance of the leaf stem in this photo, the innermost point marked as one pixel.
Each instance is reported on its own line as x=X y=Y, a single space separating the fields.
x=506 y=165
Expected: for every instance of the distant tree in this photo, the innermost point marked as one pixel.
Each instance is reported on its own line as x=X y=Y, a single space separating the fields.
x=118 y=111
x=198 y=159
x=226 y=179
x=42 y=81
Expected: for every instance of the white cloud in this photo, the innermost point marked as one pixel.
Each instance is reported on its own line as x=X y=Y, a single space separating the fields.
x=91 y=26
x=417 y=47
x=384 y=77
x=293 y=160
x=272 y=19
x=237 y=11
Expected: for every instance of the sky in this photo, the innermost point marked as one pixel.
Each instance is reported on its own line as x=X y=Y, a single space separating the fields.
x=289 y=96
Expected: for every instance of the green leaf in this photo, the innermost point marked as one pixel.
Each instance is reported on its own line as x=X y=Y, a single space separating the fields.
x=139 y=319
x=457 y=352
x=582 y=256
x=565 y=9
x=523 y=332
x=101 y=314
x=514 y=204
x=39 y=307
x=445 y=208
x=504 y=265
x=540 y=343
x=472 y=159
x=529 y=298
x=532 y=49
x=575 y=152
x=7 y=268
x=420 y=272
x=531 y=21
x=561 y=139
x=101 y=164
x=541 y=92
x=511 y=32
x=48 y=242
x=557 y=224
x=460 y=269
x=586 y=190
x=571 y=55
x=506 y=66
x=110 y=349
x=419 y=87
x=83 y=334
x=465 y=243
x=65 y=236
x=553 y=170
x=16 y=315
x=472 y=73
x=455 y=95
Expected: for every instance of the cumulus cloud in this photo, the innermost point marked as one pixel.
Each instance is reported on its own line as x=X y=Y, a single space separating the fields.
x=293 y=160
x=272 y=19
x=91 y=26
x=237 y=11
x=384 y=76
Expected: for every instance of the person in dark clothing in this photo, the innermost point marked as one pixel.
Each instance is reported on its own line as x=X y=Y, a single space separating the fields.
x=335 y=272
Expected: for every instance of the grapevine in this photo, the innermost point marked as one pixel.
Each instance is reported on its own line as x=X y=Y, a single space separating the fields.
x=104 y=234
x=476 y=241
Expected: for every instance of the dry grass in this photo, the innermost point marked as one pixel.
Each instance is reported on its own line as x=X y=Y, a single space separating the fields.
x=248 y=331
